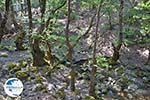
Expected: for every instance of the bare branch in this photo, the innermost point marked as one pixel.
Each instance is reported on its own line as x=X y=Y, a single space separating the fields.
x=87 y=31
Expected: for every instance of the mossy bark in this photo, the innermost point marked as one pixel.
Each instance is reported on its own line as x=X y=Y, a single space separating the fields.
x=19 y=41
x=116 y=55
x=117 y=48
x=37 y=53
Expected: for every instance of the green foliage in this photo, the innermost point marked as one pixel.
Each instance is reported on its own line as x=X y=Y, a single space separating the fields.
x=1 y=47
x=41 y=88
x=111 y=6
x=61 y=93
x=39 y=79
x=35 y=3
x=22 y=63
x=52 y=5
x=33 y=69
x=138 y=27
x=91 y=2
x=120 y=70
x=103 y=62
x=2 y=3
x=124 y=80
x=37 y=36
x=89 y=98
x=11 y=65
x=21 y=74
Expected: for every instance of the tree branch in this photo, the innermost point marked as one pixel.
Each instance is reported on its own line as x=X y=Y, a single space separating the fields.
x=53 y=12
x=87 y=31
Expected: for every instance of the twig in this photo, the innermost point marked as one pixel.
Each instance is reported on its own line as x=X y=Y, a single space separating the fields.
x=87 y=31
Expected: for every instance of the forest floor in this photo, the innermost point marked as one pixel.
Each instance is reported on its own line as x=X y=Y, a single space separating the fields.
x=136 y=87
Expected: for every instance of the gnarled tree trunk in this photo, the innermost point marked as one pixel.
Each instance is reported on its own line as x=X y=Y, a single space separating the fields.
x=37 y=54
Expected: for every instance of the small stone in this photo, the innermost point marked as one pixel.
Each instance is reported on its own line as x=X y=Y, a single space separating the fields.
x=110 y=93
x=117 y=87
x=50 y=86
x=144 y=78
x=3 y=54
x=130 y=96
x=132 y=87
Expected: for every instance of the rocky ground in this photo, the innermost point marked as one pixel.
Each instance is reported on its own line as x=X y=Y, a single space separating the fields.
x=129 y=80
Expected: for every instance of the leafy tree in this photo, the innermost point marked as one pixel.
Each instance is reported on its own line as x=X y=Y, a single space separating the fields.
x=2 y=2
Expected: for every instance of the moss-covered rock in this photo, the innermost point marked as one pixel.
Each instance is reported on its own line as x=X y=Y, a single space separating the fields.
x=47 y=70
x=23 y=63
x=124 y=80
x=11 y=65
x=120 y=70
x=33 y=69
x=89 y=98
x=29 y=78
x=39 y=79
x=14 y=70
x=1 y=47
x=21 y=74
x=40 y=87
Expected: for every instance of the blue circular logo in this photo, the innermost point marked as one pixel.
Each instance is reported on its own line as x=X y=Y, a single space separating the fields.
x=13 y=87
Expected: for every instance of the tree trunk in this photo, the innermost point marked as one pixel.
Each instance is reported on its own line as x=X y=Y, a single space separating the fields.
x=29 y=15
x=20 y=32
x=109 y=21
x=116 y=54
x=1 y=33
x=70 y=49
x=19 y=40
x=2 y=25
x=43 y=8
x=94 y=69
x=37 y=53
x=7 y=5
